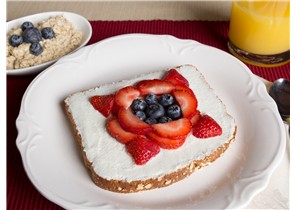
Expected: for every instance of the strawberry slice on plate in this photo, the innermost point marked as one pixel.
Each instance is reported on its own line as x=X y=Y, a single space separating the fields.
x=173 y=129
x=116 y=131
x=103 y=103
x=125 y=96
x=142 y=150
x=131 y=123
x=154 y=86
x=206 y=127
x=176 y=78
x=167 y=143
x=187 y=102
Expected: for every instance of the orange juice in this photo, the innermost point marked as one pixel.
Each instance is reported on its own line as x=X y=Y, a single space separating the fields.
x=261 y=27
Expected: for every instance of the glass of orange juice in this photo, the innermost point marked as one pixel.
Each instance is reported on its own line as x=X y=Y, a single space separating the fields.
x=259 y=31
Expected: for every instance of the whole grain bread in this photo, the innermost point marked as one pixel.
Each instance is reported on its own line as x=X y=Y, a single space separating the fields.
x=123 y=185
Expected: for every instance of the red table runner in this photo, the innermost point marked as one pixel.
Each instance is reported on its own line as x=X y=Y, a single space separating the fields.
x=21 y=194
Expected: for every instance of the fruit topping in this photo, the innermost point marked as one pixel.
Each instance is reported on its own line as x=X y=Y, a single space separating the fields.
x=151 y=99
x=125 y=96
x=103 y=104
x=151 y=121
x=206 y=127
x=140 y=114
x=131 y=123
x=117 y=132
x=155 y=86
x=142 y=150
x=47 y=33
x=195 y=117
x=175 y=78
x=174 y=112
x=15 y=40
x=187 y=102
x=36 y=49
x=187 y=89
x=166 y=99
x=138 y=105
x=164 y=119
x=32 y=35
x=27 y=25
x=155 y=111
x=173 y=129
x=167 y=143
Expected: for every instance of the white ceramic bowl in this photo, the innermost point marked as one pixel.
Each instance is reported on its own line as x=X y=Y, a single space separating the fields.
x=78 y=21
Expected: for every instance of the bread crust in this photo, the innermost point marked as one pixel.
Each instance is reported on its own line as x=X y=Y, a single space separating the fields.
x=122 y=186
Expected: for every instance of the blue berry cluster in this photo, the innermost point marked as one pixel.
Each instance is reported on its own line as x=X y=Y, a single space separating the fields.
x=31 y=34
x=156 y=109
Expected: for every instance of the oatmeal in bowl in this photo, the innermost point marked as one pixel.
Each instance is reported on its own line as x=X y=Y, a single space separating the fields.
x=37 y=41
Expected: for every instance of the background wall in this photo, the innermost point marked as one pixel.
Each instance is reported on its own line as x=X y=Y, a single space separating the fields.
x=126 y=10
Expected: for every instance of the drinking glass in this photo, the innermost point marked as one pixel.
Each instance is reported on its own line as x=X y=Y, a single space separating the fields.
x=259 y=31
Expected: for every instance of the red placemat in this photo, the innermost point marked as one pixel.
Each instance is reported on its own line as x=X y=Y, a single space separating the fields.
x=21 y=194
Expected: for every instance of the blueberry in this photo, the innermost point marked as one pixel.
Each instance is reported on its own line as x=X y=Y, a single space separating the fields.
x=155 y=110
x=140 y=114
x=151 y=121
x=151 y=99
x=36 y=49
x=138 y=104
x=47 y=33
x=174 y=112
x=32 y=35
x=166 y=100
x=164 y=119
x=15 y=40
x=27 y=25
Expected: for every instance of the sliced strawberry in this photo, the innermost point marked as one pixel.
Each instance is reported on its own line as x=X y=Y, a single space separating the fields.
x=181 y=87
x=131 y=123
x=195 y=117
x=115 y=109
x=167 y=143
x=176 y=78
x=173 y=129
x=116 y=131
x=188 y=103
x=142 y=150
x=125 y=96
x=103 y=103
x=207 y=127
x=154 y=86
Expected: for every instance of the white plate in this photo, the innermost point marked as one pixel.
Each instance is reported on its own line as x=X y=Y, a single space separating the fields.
x=78 y=21
x=51 y=157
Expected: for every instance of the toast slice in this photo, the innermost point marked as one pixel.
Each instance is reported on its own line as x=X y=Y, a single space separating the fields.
x=110 y=164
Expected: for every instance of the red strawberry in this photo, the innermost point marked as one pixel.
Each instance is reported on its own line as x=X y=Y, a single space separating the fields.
x=173 y=129
x=188 y=103
x=176 y=78
x=181 y=87
x=142 y=150
x=117 y=132
x=195 y=117
x=125 y=96
x=154 y=86
x=131 y=123
x=206 y=127
x=103 y=103
x=167 y=143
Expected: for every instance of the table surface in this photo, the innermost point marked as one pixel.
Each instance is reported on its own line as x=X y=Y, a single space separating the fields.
x=21 y=194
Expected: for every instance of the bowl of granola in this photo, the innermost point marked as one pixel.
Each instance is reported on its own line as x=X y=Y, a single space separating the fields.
x=37 y=41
